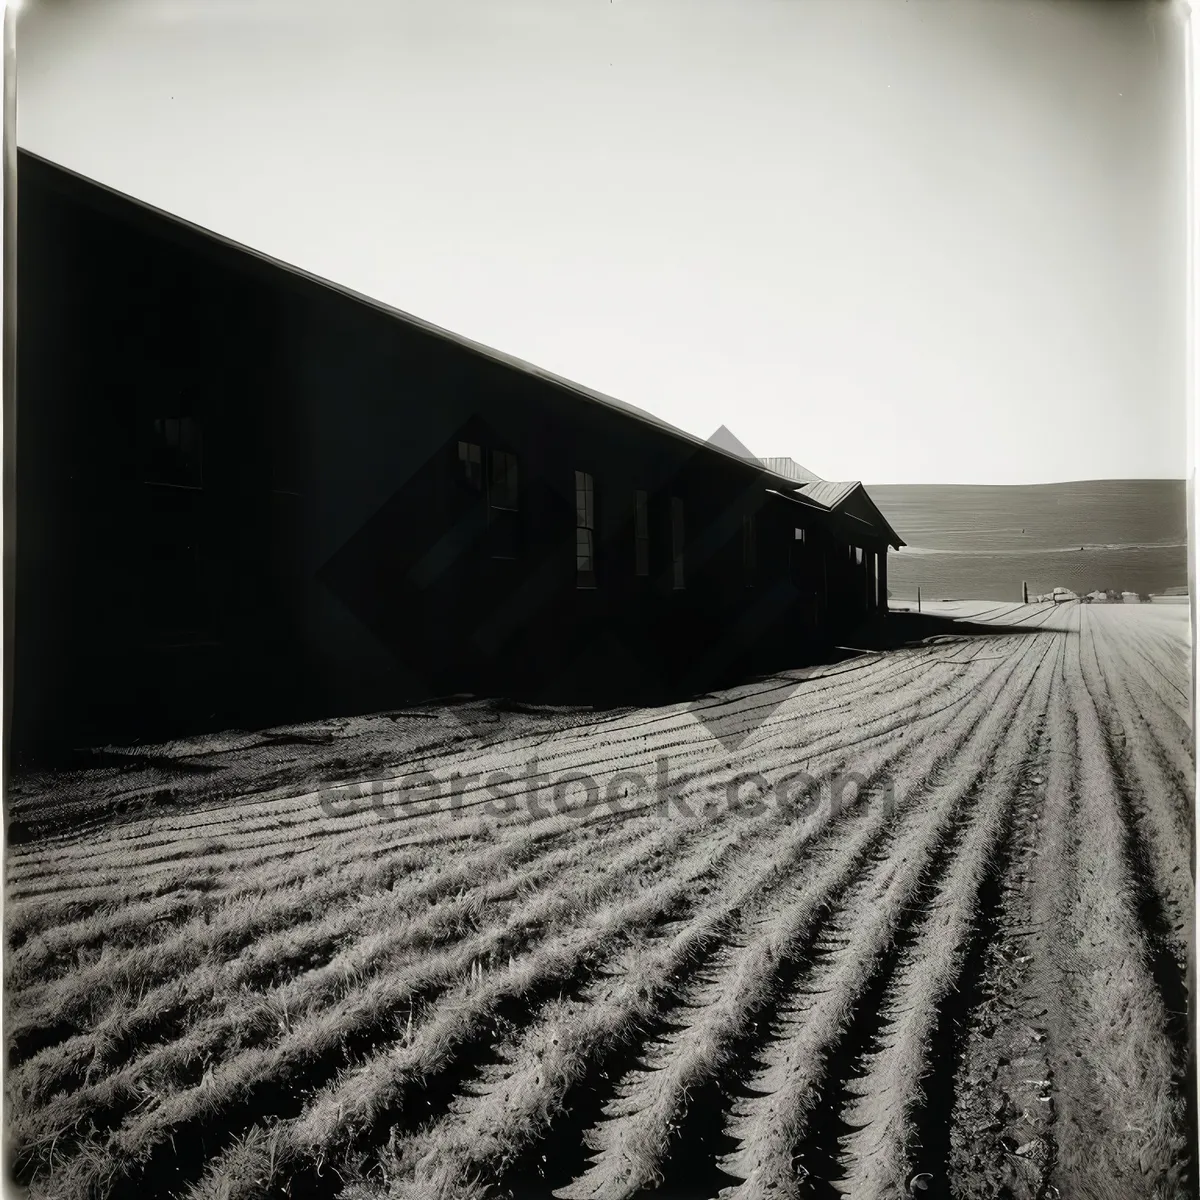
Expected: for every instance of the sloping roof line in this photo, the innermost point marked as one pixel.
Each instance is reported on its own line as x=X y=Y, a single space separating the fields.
x=792 y=496
x=726 y=439
x=828 y=492
x=894 y=539
x=447 y=335
x=796 y=498
x=497 y=356
x=790 y=468
x=876 y=528
x=834 y=496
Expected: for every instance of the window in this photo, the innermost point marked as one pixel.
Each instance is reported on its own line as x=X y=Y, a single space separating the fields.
x=503 y=503
x=797 y=552
x=677 y=541
x=641 y=533
x=172 y=584
x=175 y=452
x=502 y=486
x=585 y=530
x=470 y=466
x=858 y=556
x=749 y=550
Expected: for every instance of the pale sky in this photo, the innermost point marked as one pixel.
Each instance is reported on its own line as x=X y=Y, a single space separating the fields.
x=903 y=241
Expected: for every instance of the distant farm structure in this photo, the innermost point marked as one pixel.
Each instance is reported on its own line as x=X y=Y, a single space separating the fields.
x=1171 y=595
x=1058 y=595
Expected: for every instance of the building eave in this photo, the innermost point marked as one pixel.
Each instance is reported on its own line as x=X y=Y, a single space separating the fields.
x=512 y=362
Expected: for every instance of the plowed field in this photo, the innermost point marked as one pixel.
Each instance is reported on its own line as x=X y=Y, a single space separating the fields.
x=965 y=975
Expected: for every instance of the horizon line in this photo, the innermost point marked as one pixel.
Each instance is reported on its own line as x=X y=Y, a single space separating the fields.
x=1045 y=483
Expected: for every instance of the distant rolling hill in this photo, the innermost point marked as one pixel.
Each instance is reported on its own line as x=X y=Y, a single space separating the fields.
x=982 y=541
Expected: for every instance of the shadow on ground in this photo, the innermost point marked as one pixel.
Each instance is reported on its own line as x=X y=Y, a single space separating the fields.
x=905 y=629
x=93 y=785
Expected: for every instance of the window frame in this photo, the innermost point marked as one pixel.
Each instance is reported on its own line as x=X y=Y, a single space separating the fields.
x=749 y=549
x=678 y=545
x=586 y=578
x=641 y=533
x=464 y=463
x=511 y=463
x=511 y=512
x=168 y=464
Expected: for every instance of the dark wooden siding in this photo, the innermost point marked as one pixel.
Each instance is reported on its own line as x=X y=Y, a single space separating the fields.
x=309 y=550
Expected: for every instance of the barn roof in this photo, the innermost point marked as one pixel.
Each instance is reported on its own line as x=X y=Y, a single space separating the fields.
x=850 y=499
x=723 y=442
x=790 y=469
x=827 y=492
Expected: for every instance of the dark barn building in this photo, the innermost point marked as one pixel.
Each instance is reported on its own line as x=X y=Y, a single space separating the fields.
x=246 y=496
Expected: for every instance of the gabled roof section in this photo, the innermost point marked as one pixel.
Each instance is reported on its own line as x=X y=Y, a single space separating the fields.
x=827 y=492
x=726 y=440
x=109 y=199
x=851 y=499
x=781 y=474
x=789 y=468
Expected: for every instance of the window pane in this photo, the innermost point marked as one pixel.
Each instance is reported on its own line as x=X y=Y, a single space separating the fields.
x=503 y=489
x=175 y=452
x=585 y=512
x=677 y=538
x=584 y=558
x=470 y=460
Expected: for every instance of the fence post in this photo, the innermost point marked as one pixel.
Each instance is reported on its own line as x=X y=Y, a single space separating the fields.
x=1024 y=592
x=918 y=597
